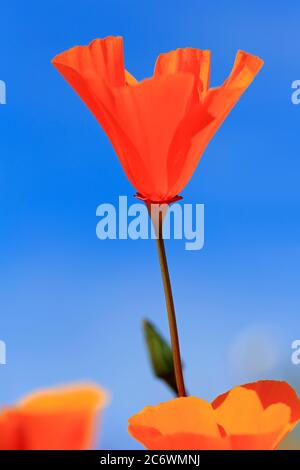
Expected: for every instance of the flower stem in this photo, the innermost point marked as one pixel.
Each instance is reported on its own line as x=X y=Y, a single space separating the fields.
x=170 y=309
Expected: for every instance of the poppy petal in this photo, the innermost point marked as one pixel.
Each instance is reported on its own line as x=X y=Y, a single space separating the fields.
x=177 y=441
x=95 y=72
x=218 y=103
x=103 y=58
x=151 y=127
x=240 y=412
x=272 y=391
x=63 y=418
x=221 y=100
x=130 y=80
x=10 y=437
x=268 y=441
x=261 y=422
x=158 y=427
x=188 y=60
x=181 y=413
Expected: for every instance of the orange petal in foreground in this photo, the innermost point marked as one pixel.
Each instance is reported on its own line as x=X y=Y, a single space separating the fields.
x=159 y=127
x=63 y=418
x=254 y=416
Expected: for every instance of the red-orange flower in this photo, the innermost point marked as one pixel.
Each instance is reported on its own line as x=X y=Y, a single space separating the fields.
x=159 y=127
x=62 y=418
x=254 y=416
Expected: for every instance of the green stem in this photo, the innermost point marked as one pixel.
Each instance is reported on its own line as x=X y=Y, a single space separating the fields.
x=171 y=310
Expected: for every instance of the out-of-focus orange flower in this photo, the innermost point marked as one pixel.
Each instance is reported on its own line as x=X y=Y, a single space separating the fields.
x=159 y=127
x=255 y=416
x=63 y=418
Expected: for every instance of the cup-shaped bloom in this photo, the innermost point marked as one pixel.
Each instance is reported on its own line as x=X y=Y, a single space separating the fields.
x=62 y=418
x=255 y=416
x=160 y=126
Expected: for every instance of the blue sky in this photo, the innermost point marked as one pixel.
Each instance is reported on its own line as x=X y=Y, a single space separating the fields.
x=71 y=305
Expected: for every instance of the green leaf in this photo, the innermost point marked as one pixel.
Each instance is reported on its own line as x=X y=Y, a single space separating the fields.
x=160 y=355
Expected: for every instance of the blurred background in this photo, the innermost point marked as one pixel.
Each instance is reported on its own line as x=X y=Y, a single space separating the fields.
x=71 y=306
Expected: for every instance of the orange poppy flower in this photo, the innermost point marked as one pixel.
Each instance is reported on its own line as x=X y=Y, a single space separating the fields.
x=62 y=418
x=254 y=416
x=159 y=127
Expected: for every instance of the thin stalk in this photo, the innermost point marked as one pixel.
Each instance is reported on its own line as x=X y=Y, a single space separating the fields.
x=170 y=309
